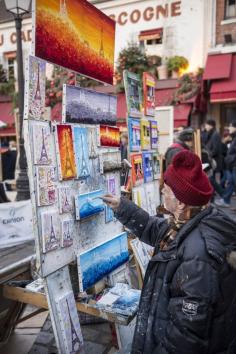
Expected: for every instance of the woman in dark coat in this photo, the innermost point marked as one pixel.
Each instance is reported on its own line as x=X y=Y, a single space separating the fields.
x=188 y=301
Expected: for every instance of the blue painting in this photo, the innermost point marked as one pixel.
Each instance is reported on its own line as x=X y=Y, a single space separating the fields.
x=134 y=134
x=89 y=204
x=103 y=259
x=89 y=107
x=81 y=151
x=128 y=303
x=109 y=215
x=147 y=167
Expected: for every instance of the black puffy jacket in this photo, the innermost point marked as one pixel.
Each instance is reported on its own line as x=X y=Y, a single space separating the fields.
x=214 y=147
x=188 y=301
x=230 y=159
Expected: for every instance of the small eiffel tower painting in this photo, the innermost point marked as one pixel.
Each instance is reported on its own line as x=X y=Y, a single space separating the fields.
x=82 y=152
x=42 y=143
x=37 y=88
x=67 y=232
x=93 y=149
x=66 y=152
x=65 y=200
x=50 y=230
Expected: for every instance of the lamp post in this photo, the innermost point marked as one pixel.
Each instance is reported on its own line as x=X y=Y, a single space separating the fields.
x=18 y=8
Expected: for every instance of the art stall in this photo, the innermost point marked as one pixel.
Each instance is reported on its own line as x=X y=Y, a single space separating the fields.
x=72 y=148
x=144 y=157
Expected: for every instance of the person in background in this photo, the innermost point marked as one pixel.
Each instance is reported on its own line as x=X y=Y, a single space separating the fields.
x=184 y=141
x=188 y=302
x=225 y=144
x=230 y=163
x=9 y=161
x=124 y=155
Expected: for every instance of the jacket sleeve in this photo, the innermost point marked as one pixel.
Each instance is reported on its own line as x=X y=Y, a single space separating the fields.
x=193 y=294
x=215 y=145
x=138 y=221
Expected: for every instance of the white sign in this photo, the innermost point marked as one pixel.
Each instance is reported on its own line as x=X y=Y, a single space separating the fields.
x=15 y=223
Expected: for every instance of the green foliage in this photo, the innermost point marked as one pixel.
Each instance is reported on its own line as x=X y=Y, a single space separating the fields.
x=176 y=63
x=3 y=75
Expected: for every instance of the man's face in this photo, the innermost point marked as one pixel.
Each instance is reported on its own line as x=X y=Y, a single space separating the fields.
x=232 y=129
x=208 y=127
x=170 y=201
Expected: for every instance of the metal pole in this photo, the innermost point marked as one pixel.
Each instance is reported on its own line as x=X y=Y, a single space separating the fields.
x=22 y=182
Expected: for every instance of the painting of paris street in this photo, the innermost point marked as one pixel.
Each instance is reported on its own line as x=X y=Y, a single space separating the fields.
x=89 y=107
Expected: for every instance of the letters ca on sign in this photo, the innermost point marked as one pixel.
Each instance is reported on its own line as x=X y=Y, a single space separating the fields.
x=148 y=14
x=25 y=35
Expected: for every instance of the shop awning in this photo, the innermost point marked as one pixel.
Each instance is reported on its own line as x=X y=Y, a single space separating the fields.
x=6 y=113
x=7 y=132
x=181 y=114
x=218 y=67
x=156 y=33
x=225 y=90
x=164 y=97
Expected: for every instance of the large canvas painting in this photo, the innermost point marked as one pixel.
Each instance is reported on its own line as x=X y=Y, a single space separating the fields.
x=50 y=230
x=42 y=143
x=37 y=88
x=111 y=160
x=89 y=107
x=89 y=204
x=67 y=232
x=134 y=134
x=137 y=169
x=76 y=35
x=147 y=166
x=81 y=151
x=149 y=94
x=65 y=200
x=69 y=323
x=46 y=189
x=109 y=136
x=133 y=93
x=66 y=158
x=99 y=261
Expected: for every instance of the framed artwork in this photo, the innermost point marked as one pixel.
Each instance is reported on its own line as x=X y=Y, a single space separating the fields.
x=154 y=134
x=134 y=134
x=152 y=194
x=111 y=161
x=50 y=230
x=76 y=35
x=37 y=88
x=65 y=200
x=89 y=107
x=147 y=167
x=111 y=189
x=101 y=260
x=66 y=158
x=145 y=134
x=69 y=323
x=93 y=142
x=139 y=197
x=133 y=93
x=149 y=94
x=156 y=163
x=81 y=151
x=42 y=143
x=137 y=169
x=45 y=182
x=109 y=136
x=67 y=232
x=143 y=254
x=89 y=204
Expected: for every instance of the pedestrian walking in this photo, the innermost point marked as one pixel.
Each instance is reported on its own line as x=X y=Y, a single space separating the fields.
x=188 y=303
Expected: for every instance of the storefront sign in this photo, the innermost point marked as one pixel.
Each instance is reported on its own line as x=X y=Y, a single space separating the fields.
x=25 y=35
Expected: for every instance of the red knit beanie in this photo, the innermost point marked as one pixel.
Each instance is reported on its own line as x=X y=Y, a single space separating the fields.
x=187 y=180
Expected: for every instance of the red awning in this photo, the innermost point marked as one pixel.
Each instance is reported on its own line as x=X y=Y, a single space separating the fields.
x=7 y=132
x=6 y=113
x=218 y=67
x=151 y=34
x=225 y=90
x=181 y=114
x=164 y=97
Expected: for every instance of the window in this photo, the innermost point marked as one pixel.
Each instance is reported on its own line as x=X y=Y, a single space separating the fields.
x=11 y=68
x=154 y=41
x=230 y=9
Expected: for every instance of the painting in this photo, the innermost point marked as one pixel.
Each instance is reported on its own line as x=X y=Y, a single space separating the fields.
x=69 y=323
x=93 y=142
x=76 y=35
x=89 y=107
x=139 y=197
x=67 y=232
x=101 y=260
x=154 y=134
x=145 y=134
x=81 y=151
x=111 y=161
x=109 y=136
x=147 y=167
x=134 y=134
x=95 y=180
x=50 y=230
x=89 y=204
x=156 y=166
x=45 y=182
x=37 y=88
x=149 y=94
x=152 y=194
x=137 y=169
x=111 y=189
x=142 y=252
x=42 y=143
x=66 y=158
x=65 y=200
x=133 y=94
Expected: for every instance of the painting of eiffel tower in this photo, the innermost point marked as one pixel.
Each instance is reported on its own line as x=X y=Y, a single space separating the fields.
x=66 y=152
x=63 y=8
x=42 y=143
x=67 y=232
x=82 y=151
x=37 y=88
x=46 y=190
x=65 y=200
x=50 y=230
x=93 y=150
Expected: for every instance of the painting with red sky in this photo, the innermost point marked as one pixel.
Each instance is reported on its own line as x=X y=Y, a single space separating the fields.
x=109 y=136
x=76 y=35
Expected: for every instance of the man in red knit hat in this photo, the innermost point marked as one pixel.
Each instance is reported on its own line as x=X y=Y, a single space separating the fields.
x=188 y=302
